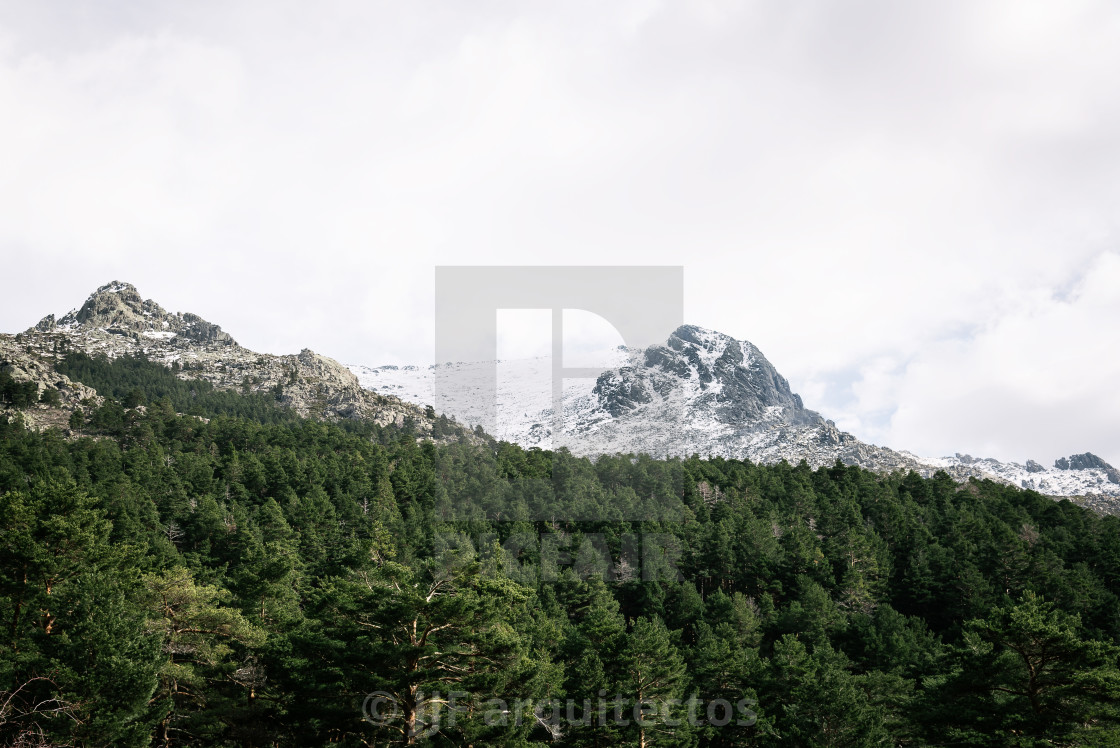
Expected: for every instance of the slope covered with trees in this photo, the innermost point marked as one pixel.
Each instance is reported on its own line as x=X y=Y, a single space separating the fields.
x=236 y=577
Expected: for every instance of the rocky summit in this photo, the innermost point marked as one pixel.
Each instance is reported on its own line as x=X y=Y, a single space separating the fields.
x=118 y=309
x=117 y=321
x=734 y=382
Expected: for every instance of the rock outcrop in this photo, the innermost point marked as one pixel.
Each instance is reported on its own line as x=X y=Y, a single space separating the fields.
x=117 y=321
x=118 y=309
x=1088 y=461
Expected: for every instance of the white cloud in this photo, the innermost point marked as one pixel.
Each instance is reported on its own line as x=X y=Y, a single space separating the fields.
x=1037 y=381
x=863 y=190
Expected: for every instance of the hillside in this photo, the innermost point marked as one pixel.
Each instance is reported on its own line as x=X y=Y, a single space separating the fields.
x=115 y=322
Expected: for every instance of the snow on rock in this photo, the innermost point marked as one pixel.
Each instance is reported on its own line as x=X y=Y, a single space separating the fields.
x=705 y=393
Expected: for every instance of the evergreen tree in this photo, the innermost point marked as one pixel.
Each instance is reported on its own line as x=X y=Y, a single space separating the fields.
x=50 y=397
x=74 y=634
x=415 y=635
x=1025 y=676
x=205 y=643
x=653 y=672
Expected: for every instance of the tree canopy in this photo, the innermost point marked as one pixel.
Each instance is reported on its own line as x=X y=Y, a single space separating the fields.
x=210 y=570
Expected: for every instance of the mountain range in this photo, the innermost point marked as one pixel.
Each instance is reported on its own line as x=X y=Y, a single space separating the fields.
x=701 y=392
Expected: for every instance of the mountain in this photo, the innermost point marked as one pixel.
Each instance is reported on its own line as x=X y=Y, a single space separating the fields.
x=704 y=392
x=701 y=392
x=117 y=321
x=117 y=309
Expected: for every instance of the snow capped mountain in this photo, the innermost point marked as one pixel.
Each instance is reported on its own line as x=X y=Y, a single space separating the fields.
x=702 y=392
x=1077 y=475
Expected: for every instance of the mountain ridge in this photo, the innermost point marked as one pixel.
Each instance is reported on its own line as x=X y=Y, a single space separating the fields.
x=115 y=320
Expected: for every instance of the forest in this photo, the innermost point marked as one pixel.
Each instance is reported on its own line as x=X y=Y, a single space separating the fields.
x=192 y=567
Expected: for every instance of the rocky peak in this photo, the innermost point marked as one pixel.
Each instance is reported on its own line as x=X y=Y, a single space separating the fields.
x=117 y=321
x=709 y=370
x=115 y=305
x=117 y=308
x=46 y=324
x=1088 y=461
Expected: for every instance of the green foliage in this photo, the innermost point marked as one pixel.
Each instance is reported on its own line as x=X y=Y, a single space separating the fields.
x=239 y=576
x=1027 y=675
x=653 y=672
x=208 y=673
x=17 y=394
x=72 y=632
x=133 y=381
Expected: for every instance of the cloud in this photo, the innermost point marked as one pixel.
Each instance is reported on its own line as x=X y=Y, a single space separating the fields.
x=861 y=189
x=1037 y=381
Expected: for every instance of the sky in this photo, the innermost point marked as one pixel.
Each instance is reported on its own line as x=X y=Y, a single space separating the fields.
x=911 y=208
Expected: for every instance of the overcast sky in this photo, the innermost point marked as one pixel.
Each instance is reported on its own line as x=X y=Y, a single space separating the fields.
x=911 y=208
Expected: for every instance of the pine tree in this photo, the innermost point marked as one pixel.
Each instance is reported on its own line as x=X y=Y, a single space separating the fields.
x=814 y=700
x=1025 y=674
x=77 y=421
x=416 y=634
x=50 y=397
x=205 y=641
x=653 y=675
x=73 y=630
